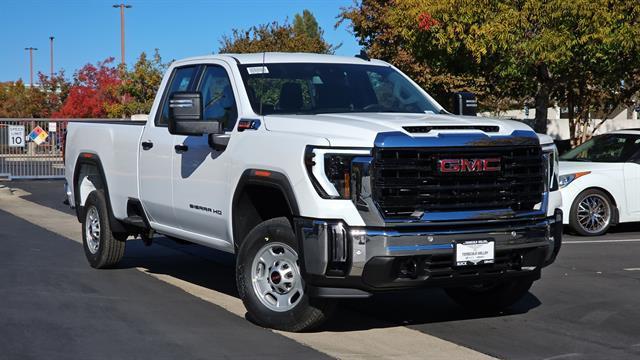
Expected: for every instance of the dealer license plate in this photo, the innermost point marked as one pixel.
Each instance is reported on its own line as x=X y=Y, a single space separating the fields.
x=475 y=252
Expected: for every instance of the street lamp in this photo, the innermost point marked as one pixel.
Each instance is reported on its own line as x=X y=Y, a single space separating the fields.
x=51 y=53
x=31 y=49
x=122 y=7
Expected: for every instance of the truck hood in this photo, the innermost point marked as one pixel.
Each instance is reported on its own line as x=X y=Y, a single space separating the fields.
x=361 y=129
x=572 y=167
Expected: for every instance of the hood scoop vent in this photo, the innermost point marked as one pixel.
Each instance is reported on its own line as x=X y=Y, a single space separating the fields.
x=426 y=129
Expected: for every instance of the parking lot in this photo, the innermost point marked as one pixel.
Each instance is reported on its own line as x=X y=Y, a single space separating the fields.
x=179 y=301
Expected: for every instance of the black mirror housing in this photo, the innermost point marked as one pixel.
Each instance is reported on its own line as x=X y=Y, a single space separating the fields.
x=465 y=103
x=185 y=115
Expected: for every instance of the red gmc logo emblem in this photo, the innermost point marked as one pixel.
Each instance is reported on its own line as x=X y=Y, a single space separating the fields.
x=469 y=165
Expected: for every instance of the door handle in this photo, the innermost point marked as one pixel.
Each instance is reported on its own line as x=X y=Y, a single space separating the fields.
x=146 y=145
x=181 y=148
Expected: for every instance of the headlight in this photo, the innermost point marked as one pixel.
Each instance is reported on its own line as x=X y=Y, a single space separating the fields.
x=330 y=170
x=567 y=179
x=550 y=153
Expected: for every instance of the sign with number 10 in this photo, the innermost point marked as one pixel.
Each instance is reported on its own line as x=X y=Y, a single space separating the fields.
x=16 y=136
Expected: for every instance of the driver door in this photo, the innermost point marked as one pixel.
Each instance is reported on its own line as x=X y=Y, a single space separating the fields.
x=201 y=192
x=156 y=149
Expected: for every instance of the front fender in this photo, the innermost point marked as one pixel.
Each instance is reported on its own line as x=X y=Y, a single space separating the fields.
x=608 y=183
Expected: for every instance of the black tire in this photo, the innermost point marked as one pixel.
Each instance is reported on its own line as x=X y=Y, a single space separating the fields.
x=573 y=214
x=490 y=297
x=307 y=314
x=110 y=246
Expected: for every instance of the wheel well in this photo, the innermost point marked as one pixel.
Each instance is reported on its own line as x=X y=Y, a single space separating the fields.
x=604 y=191
x=88 y=178
x=257 y=203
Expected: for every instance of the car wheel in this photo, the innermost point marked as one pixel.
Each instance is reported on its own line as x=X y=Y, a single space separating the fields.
x=490 y=297
x=102 y=248
x=270 y=283
x=591 y=213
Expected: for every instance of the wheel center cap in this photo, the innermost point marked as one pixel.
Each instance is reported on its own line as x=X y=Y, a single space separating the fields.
x=276 y=277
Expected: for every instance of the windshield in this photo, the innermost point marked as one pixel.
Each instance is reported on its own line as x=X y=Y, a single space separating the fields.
x=605 y=148
x=307 y=88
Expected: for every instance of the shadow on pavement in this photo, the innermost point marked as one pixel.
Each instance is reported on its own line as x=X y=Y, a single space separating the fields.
x=196 y=264
x=417 y=307
x=214 y=270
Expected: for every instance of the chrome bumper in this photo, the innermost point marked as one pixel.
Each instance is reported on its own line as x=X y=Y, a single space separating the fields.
x=326 y=244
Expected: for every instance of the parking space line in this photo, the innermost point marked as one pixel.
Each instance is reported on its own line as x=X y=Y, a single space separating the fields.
x=378 y=343
x=600 y=241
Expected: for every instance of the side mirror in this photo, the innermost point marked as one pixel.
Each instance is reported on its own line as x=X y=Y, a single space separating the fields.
x=465 y=103
x=185 y=115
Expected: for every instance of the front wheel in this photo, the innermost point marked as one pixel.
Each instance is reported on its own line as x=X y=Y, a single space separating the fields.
x=591 y=213
x=270 y=283
x=490 y=297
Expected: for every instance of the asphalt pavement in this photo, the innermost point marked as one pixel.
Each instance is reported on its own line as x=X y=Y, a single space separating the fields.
x=53 y=305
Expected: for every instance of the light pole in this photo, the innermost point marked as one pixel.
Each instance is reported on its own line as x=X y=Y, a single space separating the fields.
x=31 y=63
x=122 y=7
x=51 y=53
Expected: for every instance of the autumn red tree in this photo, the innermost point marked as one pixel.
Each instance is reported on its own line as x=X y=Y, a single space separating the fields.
x=94 y=89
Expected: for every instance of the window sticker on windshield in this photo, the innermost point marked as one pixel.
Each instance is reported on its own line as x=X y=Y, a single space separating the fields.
x=257 y=70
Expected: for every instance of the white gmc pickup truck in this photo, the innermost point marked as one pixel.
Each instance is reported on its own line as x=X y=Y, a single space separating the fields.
x=328 y=177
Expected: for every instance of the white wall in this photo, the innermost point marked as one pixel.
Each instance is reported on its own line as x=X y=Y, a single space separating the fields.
x=559 y=128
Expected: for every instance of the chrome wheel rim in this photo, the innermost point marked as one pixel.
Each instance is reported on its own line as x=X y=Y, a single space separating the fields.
x=275 y=276
x=92 y=230
x=594 y=213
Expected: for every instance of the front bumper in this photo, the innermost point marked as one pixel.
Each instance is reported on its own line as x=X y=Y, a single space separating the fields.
x=336 y=258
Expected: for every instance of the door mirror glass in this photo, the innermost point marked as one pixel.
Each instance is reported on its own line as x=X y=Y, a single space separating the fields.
x=185 y=115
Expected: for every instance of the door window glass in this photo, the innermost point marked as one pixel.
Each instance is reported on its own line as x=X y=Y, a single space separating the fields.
x=217 y=97
x=180 y=81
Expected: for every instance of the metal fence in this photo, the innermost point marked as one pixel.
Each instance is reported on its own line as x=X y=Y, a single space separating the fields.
x=31 y=148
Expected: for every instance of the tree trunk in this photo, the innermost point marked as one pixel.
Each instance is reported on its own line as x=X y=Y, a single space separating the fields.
x=542 y=108
x=542 y=99
x=573 y=122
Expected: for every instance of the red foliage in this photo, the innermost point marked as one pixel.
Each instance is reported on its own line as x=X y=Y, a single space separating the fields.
x=426 y=22
x=94 y=88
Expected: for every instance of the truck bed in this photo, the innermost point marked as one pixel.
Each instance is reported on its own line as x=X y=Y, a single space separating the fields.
x=116 y=145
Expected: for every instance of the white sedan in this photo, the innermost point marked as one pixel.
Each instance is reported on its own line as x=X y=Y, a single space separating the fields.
x=600 y=182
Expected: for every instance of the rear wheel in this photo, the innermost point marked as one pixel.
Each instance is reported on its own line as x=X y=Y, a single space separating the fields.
x=490 y=297
x=102 y=247
x=591 y=213
x=270 y=283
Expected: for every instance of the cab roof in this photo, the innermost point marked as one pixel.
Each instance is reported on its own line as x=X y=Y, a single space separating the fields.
x=280 y=57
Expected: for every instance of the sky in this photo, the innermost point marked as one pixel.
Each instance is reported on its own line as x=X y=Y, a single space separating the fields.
x=89 y=31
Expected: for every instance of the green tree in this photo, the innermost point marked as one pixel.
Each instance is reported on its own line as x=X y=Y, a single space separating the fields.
x=138 y=87
x=303 y=36
x=19 y=101
x=14 y=102
x=307 y=24
x=54 y=91
x=583 y=54
x=384 y=33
